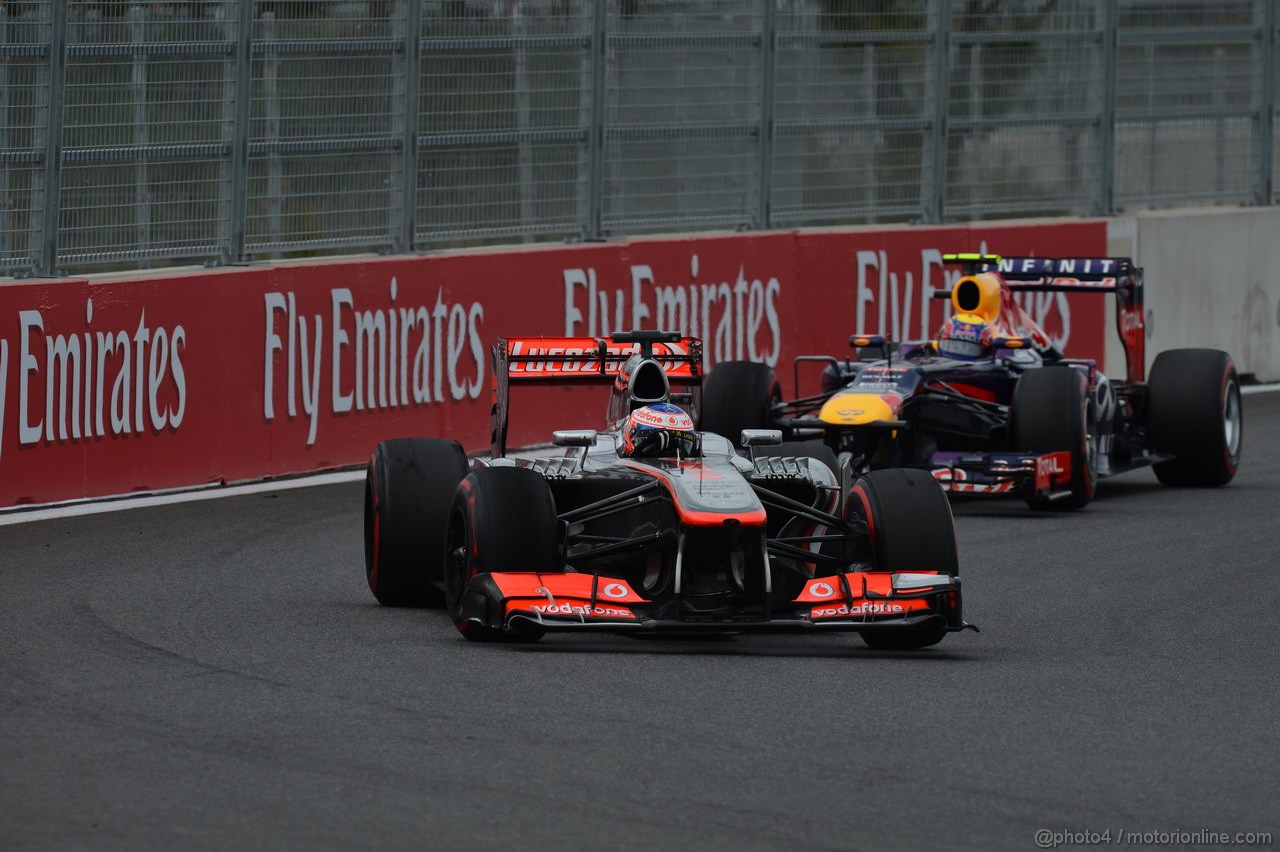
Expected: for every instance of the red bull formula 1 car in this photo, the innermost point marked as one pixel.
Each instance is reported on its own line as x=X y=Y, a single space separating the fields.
x=992 y=407
x=650 y=527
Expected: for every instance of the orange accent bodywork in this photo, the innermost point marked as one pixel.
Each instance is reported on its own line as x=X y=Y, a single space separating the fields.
x=695 y=517
x=530 y=584
x=861 y=583
x=566 y=595
x=830 y=600
x=570 y=608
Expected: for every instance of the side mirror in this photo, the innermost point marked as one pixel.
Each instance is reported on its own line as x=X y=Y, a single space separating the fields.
x=1011 y=342
x=861 y=341
x=574 y=438
x=761 y=437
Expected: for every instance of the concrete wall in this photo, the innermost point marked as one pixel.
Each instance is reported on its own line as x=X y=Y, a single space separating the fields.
x=1211 y=280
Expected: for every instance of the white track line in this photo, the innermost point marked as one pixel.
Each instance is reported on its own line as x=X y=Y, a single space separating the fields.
x=21 y=515
x=212 y=492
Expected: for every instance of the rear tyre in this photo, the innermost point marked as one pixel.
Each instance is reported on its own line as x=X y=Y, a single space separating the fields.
x=910 y=527
x=1052 y=411
x=502 y=519
x=739 y=395
x=1195 y=413
x=408 y=490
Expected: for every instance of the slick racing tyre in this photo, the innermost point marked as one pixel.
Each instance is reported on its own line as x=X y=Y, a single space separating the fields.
x=1052 y=411
x=739 y=395
x=502 y=519
x=408 y=490
x=845 y=551
x=910 y=526
x=1194 y=413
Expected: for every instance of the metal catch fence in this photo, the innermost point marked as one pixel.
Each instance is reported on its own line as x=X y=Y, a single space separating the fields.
x=227 y=131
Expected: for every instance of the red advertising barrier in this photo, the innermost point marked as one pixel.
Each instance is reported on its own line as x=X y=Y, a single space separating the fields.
x=179 y=380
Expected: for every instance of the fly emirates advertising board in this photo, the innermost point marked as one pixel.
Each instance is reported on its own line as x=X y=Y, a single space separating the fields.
x=182 y=380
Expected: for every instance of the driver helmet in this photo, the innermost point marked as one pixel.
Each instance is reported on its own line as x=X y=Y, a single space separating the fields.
x=965 y=337
x=661 y=429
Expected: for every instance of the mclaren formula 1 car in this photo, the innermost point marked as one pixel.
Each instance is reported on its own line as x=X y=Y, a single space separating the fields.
x=649 y=526
x=992 y=407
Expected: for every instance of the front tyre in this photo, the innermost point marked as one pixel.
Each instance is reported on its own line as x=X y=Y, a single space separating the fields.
x=1195 y=414
x=502 y=519
x=1052 y=412
x=910 y=527
x=408 y=490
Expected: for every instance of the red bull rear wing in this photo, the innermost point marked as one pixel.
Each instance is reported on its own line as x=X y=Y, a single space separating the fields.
x=1090 y=273
x=1116 y=275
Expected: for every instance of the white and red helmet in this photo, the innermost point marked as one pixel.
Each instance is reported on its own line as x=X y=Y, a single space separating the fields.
x=660 y=429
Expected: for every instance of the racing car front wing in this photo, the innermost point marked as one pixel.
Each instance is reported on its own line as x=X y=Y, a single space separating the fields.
x=1031 y=474
x=856 y=601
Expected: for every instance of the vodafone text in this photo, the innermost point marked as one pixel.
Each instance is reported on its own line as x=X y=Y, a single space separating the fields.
x=381 y=357
x=735 y=320
x=582 y=610
x=865 y=608
x=94 y=383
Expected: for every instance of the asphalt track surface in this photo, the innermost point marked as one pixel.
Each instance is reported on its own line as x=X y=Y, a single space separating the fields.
x=216 y=676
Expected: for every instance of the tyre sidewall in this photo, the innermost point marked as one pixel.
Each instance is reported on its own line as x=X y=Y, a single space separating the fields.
x=1189 y=391
x=909 y=521
x=409 y=483
x=502 y=519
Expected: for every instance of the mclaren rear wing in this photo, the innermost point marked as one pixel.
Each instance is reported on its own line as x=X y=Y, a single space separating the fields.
x=1116 y=275
x=583 y=360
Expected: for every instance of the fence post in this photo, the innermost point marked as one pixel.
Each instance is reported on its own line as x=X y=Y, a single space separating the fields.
x=405 y=177
x=6 y=200
x=524 y=121
x=594 y=226
x=768 y=85
x=871 y=162
x=46 y=262
x=977 y=130
x=1105 y=201
x=1219 y=124
x=235 y=179
x=934 y=174
x=271 y=133
x=1265 y=147
x=141 y=127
